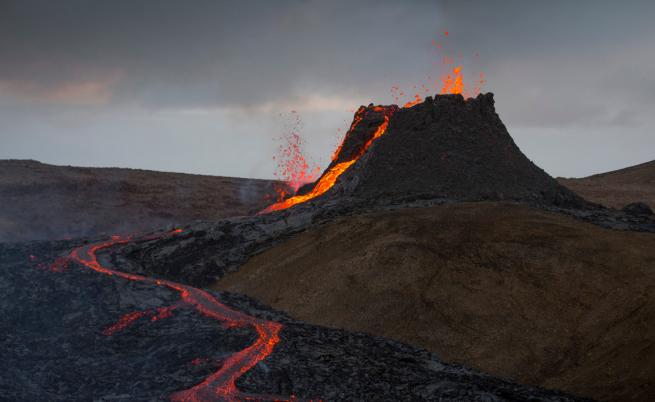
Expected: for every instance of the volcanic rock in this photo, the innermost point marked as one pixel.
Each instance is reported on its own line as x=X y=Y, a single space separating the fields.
x=637 y=208
x=444 y=150
x=445 y=147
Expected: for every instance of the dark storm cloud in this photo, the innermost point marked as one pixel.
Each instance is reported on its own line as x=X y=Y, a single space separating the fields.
x=186 y=53
x=561 y=62
x=173 y=53
x=573 y=68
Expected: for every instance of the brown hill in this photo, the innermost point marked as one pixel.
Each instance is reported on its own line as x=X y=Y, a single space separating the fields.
x=514 y=291
x=39 y=201
x=618 y=188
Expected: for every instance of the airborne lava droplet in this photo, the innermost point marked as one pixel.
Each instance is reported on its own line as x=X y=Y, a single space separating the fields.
x=452 y=82
x=293 y=167
x=331 y=175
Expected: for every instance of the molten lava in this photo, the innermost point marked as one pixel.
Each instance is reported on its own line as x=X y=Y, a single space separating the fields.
x=359 y=115
x=416 y=101
x=129 y=318
x=222 y=384
x=124 y=322
x=293 y=168
x=452 y=82
x=332 y=173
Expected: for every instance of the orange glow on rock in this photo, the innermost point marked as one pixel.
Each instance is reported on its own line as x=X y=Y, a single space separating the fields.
x=451 y=82
x=124 y=322
x=416 y=101
x=359 y=115
x=324 y=184
x=331 y=175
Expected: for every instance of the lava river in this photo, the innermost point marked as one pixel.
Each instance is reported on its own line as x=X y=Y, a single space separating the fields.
x=221 y=385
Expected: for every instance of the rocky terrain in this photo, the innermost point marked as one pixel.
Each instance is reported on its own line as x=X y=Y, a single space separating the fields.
x=447 y=147
x=81 y=335
x=40 y=201
x=618 y=188
x=539 y=287
x=515 y=291
x=525 y=289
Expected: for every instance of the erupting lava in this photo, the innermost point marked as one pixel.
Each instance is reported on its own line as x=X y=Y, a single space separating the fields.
x=292 y=166
x=332 y=173
x=451 y=83
x=451 y=79
x=220 y=385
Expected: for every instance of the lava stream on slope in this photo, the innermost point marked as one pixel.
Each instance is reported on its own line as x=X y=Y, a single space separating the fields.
x=332 y=173
x=221 y=385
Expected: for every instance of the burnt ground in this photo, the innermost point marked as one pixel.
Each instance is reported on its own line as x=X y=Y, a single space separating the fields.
x=46 y=202
x=54 y=347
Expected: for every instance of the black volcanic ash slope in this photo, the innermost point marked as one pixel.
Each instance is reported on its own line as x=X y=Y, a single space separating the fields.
x=446 y=147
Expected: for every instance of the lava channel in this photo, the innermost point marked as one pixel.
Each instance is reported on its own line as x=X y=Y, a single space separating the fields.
x=221 y=385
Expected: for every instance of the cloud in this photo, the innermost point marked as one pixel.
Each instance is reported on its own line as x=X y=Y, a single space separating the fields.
x=216 y=53
x=552 y=65
x=79 y=93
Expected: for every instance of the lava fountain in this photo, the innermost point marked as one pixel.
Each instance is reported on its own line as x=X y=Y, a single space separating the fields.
x=452 y=82
x=336 y=169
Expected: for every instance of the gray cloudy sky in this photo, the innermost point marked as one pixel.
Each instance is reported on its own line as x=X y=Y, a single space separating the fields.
x=199 y=86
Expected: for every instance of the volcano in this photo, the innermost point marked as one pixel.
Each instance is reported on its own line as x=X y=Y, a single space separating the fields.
x=445 y=147
x=152 y=330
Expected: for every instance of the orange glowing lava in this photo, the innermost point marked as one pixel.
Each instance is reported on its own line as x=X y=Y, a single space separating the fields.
x=332 y=174
x=293 y=168
x=222 y=384
x=359 y=115
x=124 y=322
x=416 y=101
x=451 y=82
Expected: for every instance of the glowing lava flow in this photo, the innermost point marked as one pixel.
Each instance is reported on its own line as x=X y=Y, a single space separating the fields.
x=332 y=174
x=220 y=386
